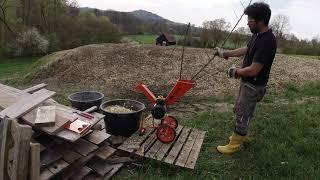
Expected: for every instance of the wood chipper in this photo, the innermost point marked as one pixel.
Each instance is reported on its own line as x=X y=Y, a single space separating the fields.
x=166 y=129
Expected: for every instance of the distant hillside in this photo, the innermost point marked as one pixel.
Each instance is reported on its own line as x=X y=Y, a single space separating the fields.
x=147 y=16
x=141 y=21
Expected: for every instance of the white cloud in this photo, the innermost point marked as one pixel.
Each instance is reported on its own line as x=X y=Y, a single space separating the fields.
x=303 y=17
x=302 y=13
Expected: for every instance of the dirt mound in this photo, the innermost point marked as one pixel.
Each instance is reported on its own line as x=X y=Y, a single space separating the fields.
x=118 y=67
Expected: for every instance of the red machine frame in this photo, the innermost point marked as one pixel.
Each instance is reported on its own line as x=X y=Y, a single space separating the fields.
x=166 y=129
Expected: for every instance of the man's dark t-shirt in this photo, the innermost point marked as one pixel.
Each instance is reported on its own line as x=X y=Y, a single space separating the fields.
x=261 y=49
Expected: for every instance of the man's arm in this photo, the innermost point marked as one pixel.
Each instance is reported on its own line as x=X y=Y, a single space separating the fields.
x=249 y=71
x=235 y=53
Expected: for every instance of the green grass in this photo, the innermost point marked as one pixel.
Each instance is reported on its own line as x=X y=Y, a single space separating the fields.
x=143 y=38
x=151 y=39
x=13 y=69
x=307 y=57
x=146 y=38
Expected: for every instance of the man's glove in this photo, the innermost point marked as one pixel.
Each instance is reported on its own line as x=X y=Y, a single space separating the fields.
x=232 y=73
x=220 y=52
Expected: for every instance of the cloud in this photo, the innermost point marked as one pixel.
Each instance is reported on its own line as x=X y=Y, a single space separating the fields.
x=303 y=17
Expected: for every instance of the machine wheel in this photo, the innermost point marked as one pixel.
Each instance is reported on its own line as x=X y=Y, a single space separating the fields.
x=170 y=121
x=165 y=133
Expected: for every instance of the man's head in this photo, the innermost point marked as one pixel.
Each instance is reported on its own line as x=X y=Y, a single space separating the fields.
x=258 y=16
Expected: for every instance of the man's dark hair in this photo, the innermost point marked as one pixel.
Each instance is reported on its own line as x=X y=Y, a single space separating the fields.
x=259 y=11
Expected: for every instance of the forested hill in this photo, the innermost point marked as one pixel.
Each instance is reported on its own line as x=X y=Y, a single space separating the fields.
x=141 y=21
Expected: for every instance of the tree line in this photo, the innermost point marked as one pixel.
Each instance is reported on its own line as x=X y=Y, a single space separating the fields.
x=31 y=27
x=214 y=32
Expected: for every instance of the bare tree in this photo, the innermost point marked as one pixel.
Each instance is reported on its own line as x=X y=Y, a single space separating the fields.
x=213 y=31
x=280 y=25
x=43 y=16
x=3 y=14
x=74 y=8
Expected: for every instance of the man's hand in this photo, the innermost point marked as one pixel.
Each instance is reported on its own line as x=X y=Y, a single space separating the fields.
x=220 y=52
x=232 y=73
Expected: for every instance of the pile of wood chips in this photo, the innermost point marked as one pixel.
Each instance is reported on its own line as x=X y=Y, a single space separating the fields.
x=116 y=68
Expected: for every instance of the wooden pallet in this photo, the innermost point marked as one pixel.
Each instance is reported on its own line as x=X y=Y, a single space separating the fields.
x=183 y=151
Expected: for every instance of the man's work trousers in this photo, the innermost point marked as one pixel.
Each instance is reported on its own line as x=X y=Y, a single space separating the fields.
x=245 y=105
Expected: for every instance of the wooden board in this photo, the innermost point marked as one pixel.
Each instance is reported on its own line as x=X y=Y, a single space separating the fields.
x=165 y=147
x=6 y=99
x=34 y=88
x=21 y=135
x=84 y=147
x=114 y=170
x=105 y=152
x=174 y=152
x=183 y=157
x=61 y=119
x=147 y=144
x=134 y=142
x=46 y=174
x=158 y=146
x=46 y=116
x=34 y=165
x=84 y=171
x=109 y=175
x=100 y=166
x=5 y=142
x=70 y=156
x=97 y=137
x=27 y=103
x=74 y=167
x=183 y=151
x=191 y=162
x=48 y=156
x=58 y=166
x=102 y=125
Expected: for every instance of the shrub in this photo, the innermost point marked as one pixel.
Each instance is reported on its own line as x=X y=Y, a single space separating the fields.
x=29 y=43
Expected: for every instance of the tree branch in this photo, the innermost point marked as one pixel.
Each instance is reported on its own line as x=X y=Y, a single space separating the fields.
x=4 y=20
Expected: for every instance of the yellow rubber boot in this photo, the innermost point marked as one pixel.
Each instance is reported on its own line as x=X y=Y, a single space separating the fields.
x=234 y=144
x=246 y=138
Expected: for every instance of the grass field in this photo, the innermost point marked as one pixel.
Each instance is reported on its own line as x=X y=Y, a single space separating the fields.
x=13 y=69
x=150 y=39
x=147 y=38
x=285 y=131
x=308 y=57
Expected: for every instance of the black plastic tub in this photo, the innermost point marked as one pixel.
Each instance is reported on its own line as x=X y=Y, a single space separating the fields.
x=123 y=124
x=85 y=99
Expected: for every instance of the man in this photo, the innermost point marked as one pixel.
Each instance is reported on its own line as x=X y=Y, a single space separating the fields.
x=254 y=74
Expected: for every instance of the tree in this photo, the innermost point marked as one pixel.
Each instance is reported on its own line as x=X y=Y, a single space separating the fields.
x=213 y=31
x=74 y=8
x=280 y=25
x=4 y=6
x=239 y=37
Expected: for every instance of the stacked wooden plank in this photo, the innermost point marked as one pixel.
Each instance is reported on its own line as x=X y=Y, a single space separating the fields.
x=11 y=97
x=183 y=151
x=79 y=160
x=55 y=152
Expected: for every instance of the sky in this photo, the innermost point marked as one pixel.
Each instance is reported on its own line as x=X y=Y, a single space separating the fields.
x=302 y=14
